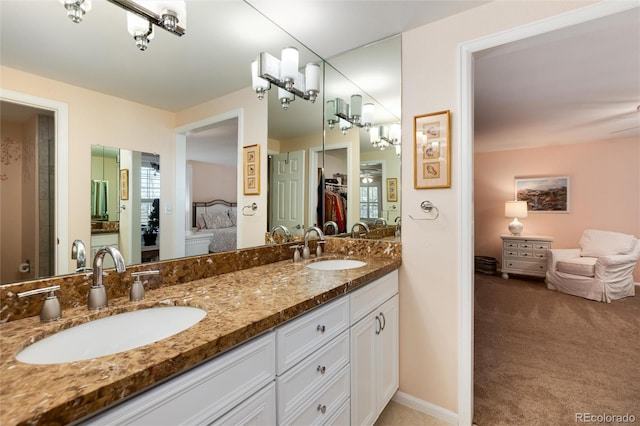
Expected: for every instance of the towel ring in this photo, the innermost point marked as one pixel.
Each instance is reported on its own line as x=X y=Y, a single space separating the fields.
x=428 y=208
x=253 y=207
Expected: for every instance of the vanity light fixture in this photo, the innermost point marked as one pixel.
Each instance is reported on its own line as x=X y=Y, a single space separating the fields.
x=76 y=9
x=170 y=15
x=385 y=136
x=356 y=114
x=284 y=73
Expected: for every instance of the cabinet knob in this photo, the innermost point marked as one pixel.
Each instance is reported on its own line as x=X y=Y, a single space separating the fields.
x=320 y=328
x=322 y=408
x=321 y=369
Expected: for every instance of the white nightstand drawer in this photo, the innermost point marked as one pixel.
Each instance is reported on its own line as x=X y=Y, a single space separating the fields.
x=541 y=246
x=526 y=254
x=511 y=253
x=304 y=380
x=526 y=245
x=510 y=244
x=300 y=337
x=526 y=266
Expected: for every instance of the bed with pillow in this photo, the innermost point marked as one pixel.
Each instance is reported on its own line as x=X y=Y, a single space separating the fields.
x=217 y=220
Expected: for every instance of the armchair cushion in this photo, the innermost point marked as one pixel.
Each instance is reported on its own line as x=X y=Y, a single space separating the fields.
x=596 y=243
x=583 y=266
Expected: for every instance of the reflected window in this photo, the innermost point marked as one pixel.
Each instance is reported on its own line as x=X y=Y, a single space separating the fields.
x=370 y=200
x=149 y=187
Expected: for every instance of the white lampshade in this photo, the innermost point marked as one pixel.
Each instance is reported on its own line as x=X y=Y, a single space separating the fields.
x=394 y=132
x=138 y=26
x=367 y=113
x=374 y=135
x=312 y=77
x=289 y=63
x=356 y=106
x=258 y=82
x=516 y=210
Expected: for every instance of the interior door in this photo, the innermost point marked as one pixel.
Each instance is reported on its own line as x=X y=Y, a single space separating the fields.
x=287 y=191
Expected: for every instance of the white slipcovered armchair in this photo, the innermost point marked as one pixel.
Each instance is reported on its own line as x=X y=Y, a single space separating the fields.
x=601 y=269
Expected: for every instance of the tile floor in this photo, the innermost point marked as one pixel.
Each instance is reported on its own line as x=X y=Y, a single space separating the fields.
x=398 y=415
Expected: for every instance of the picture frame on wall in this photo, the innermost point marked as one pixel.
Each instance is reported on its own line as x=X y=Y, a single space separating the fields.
x=544 y=194
x=124 y=184
x=392 y=190
x=432 y=150
x=251 y=169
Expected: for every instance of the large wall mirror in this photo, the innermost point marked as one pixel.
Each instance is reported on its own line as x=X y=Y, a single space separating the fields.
x=298 y=134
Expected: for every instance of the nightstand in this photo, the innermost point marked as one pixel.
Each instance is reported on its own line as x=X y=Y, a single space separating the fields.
x=525 y=255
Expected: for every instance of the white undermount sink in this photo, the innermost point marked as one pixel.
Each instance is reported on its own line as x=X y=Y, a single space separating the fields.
x=335 y=264
x=111 y=335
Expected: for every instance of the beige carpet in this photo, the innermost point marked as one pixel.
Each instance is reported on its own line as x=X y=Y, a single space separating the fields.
x=543 y=356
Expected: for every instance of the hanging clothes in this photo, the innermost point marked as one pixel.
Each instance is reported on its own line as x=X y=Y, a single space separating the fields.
x=336 y=209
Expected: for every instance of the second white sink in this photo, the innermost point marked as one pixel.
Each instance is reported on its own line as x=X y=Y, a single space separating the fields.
x=335 y=264
x=111 y=335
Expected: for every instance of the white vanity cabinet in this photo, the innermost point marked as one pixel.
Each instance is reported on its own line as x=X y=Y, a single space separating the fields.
x=374 y=348
x=313 y=365
x=238 y=384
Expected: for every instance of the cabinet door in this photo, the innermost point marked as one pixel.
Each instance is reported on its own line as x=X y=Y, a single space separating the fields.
x=388 y=380
x=364 y=341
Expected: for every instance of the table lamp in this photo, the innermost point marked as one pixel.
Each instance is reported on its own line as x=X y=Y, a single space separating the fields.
x=516 y=210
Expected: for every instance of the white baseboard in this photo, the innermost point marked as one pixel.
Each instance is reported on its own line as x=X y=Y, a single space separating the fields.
x=426 y=407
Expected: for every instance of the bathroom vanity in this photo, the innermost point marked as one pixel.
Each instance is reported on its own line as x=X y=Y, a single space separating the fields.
x=291 y=344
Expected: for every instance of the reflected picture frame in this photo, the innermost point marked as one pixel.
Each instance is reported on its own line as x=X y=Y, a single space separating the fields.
x=392 y=190
x=432 y=150
x=251 y=169
x=124 y=184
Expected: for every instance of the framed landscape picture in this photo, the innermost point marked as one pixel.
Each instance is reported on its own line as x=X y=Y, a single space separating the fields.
x=544 y=194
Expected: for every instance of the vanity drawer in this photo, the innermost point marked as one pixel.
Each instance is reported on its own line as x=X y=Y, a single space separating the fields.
x=369 y=297
x=301 y=336
x=326 y=405
x=302 y=381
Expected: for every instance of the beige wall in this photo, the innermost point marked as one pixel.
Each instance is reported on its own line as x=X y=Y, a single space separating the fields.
x=429 y=277
x=604 y=192
x=95 y=118
x=213 y=181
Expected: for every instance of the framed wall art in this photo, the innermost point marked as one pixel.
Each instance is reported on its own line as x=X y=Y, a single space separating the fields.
x=124 y=184
x=251 y=169
x=544 y=194
x=432 y=150
x=392 y=190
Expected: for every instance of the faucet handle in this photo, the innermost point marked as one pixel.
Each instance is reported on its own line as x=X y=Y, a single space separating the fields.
x=50 y=310
x=296 y=253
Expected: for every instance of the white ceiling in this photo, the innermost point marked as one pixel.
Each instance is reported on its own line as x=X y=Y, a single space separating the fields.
x=551 y=86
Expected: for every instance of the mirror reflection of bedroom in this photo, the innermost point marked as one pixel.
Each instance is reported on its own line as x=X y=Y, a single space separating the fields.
x=212 y=158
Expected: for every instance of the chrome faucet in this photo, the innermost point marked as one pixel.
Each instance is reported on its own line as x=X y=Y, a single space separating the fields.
x=97 y=298
x=380 y=221
x=306 y=253
x=79 y=254
x=330 y=224
x=354 y=229
x=287 y=234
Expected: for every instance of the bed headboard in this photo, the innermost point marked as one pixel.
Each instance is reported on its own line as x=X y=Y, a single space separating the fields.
x=200 y=207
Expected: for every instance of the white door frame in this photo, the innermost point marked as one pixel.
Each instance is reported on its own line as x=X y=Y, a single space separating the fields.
x=61 y=117
x=465 y=175
x=313 y=180
x=181 y=220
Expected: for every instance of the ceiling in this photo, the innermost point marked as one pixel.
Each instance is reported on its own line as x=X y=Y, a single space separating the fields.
x=567 y=86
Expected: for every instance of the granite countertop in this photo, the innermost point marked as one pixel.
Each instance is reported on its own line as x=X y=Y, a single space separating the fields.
x=239 y=305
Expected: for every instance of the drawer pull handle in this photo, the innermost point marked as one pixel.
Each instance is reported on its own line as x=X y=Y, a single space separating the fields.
x=321 y=369
x=320 y=328
x=384 y=321
x=322 y=408
x=378 y=325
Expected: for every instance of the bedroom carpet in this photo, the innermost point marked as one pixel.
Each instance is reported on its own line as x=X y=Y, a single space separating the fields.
x=543 y=356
